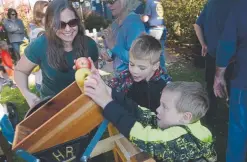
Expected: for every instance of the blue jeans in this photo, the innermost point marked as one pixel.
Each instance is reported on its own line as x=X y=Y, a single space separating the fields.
x=237 y=131
x=16 y=46
x=160 y=34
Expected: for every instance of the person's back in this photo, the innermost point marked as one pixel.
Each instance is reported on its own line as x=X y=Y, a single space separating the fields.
x=144 y=80
x=240 y=32
x=213 y=21
x=233 y=43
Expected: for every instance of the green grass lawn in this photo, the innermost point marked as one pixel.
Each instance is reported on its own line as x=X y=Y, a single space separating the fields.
x=179 y=71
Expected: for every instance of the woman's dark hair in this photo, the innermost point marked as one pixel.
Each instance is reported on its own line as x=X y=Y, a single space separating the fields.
x=55 y=50
x=38 y=14
x=10 y=10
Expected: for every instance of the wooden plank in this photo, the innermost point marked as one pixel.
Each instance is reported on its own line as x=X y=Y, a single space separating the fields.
x=53 y=106
x=66 y=125
x=128 y=152
x=105 y=145
x=142 y=157
x=113 y=131
x=127 y=149
x=49 y=109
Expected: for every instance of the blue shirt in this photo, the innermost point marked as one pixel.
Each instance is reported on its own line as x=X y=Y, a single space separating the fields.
x=131 y=28
x=233 y=42
x=140 y=10
x=155 y=11
x=212 y=20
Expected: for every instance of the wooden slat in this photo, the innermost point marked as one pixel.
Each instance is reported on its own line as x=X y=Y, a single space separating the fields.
x=128 y=152
x=53 y=106
x=113 y=131
x=49 y=109
x=76 y=119
x=105 y=145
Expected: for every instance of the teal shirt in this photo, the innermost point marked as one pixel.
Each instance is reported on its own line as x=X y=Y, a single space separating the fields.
x=53 y=80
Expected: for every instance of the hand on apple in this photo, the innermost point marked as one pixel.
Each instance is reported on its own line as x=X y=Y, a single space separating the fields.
x=95 y=88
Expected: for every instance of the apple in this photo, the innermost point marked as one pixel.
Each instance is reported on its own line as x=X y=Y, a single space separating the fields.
x=81 y=75
x=82 y=62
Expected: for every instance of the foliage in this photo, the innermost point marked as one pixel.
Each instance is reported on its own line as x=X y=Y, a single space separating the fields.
x=93 y=20
x=180 y=15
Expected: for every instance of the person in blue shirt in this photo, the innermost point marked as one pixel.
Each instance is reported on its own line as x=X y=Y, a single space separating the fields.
x=154 y=16
x=233 y=43
x=208 y=28
x=122 y=32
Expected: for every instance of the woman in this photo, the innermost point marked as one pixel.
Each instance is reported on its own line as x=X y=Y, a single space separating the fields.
x=37 y=26
x=15 y=30
x=55 y=52
x=123 y=31
x=36 y=30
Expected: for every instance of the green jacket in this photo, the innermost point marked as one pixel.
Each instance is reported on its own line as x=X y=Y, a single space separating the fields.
x=174 y=144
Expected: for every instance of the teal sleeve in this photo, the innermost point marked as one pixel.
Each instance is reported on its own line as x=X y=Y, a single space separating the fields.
x=93 y=50
x=133 y=30
x=35 y=49
x=228 y=43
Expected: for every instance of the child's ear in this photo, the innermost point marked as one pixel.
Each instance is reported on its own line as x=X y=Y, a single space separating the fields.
x=156 y=66
x=187 y=116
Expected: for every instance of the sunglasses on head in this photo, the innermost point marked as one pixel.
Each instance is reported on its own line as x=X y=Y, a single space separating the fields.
x=110 y=1
x=72 y=23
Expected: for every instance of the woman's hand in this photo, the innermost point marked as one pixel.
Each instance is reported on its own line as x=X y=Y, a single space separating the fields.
x=109 y=38
x=104 y=55
x=32 y=99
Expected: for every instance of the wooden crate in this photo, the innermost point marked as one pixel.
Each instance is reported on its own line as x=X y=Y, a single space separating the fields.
x=67 y=116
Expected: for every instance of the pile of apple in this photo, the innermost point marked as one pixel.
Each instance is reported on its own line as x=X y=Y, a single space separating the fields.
x=83 y=69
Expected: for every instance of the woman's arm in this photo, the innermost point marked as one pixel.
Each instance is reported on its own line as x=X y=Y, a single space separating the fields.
x=10 y=28
x=21 y=28
x=22 y=70
x=133 y=31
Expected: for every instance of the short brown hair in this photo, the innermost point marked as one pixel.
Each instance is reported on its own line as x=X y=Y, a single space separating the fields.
x=193 y=98
x=38 y=14
x=146 y=47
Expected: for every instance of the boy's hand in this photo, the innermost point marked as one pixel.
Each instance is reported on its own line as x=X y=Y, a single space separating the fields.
x=95 y=88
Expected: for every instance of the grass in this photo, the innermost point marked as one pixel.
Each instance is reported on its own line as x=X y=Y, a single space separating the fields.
x=181 y=70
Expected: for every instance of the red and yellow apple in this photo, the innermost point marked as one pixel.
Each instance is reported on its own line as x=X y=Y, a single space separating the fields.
x=82 y=62
x=81 y=75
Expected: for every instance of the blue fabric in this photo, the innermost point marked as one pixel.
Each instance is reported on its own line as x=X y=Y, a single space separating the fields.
x=16 y=46
x=7 y=129
x=140 y=9
x=237 y=131
x=131 y=28
x=155 y=11
x=212 y=21
x=233 y=42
